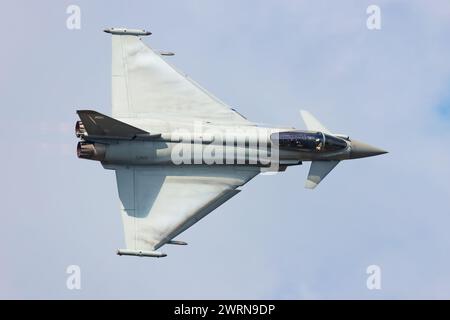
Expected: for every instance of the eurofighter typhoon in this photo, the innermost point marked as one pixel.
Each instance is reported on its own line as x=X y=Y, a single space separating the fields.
x=179 y=152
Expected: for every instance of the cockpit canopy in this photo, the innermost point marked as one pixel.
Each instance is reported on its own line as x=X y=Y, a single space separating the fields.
x=308 y=141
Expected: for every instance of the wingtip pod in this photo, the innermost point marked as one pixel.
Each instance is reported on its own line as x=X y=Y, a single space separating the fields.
x=140 y=253
x=127 y=32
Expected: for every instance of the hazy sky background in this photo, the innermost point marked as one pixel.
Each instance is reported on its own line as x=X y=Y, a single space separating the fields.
x=390 y=88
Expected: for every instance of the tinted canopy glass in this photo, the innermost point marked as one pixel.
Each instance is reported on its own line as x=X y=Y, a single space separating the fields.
x=332 y=143
x=308 y=141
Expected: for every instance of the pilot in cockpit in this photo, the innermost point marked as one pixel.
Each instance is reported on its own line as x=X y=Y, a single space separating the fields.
x=318 y=144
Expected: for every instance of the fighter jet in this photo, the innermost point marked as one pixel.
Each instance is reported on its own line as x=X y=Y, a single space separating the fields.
x=178 y=152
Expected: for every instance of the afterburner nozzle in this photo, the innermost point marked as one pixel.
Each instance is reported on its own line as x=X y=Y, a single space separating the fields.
x=91 y=151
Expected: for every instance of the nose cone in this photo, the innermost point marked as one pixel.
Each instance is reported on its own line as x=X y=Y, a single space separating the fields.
x=362 y=150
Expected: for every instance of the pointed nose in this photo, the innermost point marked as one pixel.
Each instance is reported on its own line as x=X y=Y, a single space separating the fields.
x=362 y=150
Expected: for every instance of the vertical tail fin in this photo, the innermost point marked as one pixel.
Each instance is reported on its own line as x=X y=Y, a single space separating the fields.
x=97 y=124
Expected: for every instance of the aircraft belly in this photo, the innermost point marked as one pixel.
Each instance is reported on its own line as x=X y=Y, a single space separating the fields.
x=177 y=153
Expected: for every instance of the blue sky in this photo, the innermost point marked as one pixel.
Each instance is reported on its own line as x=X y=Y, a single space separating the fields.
x=268 y=59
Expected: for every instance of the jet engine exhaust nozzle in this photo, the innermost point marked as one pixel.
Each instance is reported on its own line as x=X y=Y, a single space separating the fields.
x=91 y=151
